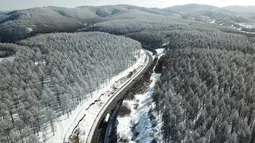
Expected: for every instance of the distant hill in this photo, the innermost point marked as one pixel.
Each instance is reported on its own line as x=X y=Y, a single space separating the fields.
x=238 y=17
x=244 y=9
x=2 y=15
x=1 y=12
x=191 y=8
x=20 y=24
x=83 y=14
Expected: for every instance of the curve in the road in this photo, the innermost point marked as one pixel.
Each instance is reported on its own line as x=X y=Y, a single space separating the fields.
x=112 y=100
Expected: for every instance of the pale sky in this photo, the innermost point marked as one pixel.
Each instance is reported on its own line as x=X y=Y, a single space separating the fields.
x=23 y=4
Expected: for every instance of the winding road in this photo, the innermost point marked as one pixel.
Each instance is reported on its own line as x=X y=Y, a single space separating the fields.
x=111 y=103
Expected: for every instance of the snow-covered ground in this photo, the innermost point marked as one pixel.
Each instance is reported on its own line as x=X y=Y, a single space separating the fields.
x=29 y=29
x=146 y=121
x=241 y=26
x=11 y=58
x=213 y=21
x=245 y=25
x=141 y=118
x=64 y=126
x=165 y=44
x=160 y=51
x=42 y=62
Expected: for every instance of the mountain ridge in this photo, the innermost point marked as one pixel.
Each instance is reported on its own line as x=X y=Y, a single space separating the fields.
x=29 y=22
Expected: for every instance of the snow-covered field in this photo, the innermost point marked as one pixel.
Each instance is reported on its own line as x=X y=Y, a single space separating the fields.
x=64 y=126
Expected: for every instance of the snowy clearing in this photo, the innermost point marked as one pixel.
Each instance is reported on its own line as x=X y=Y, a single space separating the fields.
x=41 y=62
x=64 y=126
x=11 y=58
x=165 y=44
x=245 y=25
x=213 y=21
x=29 y=29
x=160 y=51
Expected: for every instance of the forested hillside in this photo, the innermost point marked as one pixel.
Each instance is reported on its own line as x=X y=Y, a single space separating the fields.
x=155 y=39
x=20 y=24
x=206 y=89
x=136 y=21
x=241 y=9
x=126 y=26
x=7 y=50
x=206 y=95
x=51 y=74
x=238 y=17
